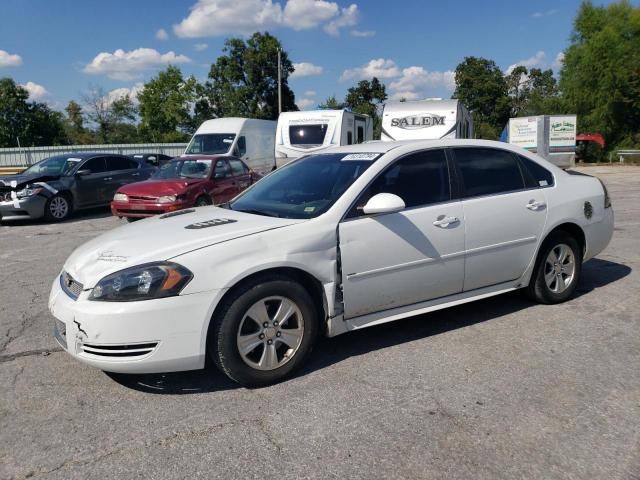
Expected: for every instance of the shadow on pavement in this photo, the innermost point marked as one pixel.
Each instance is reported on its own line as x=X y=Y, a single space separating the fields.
x=596 y=273
x=77 y=216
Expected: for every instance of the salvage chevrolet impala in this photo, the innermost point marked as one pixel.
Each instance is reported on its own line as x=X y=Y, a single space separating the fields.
x=345 y=239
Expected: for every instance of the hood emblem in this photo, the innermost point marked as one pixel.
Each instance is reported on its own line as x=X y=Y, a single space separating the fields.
x=210 y=223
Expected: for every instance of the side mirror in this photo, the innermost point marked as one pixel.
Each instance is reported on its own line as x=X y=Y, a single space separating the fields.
x=218 y=176
x=83 y=172
x=384 y=203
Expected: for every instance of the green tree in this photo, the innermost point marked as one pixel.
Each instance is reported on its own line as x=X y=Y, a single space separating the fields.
x=77 y=133
x=600 y=78
x=244 y=81
x=165 y=106
x=367 y=97
x=332 y=103
x=482 y=87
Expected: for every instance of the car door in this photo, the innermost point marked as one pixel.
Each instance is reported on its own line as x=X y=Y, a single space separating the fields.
x=241 y=174
x=121 y=171
x=225 y=186
x=504 y=218
x=402 y=258
x=91 y=185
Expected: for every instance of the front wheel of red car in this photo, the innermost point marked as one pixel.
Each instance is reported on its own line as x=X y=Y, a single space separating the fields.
x=203 y=201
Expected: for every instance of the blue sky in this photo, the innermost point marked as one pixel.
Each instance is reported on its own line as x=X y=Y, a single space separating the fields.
x=60 y=49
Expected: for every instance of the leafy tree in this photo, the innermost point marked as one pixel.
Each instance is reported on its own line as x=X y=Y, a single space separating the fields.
x=332 y=103
x=600 y=79
x=482 y=87
x=77 y=133
x=367 y=98
x=244 y=81
x=165 y=106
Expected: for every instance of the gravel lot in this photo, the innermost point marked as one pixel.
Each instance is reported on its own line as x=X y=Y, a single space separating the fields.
x=500 y=388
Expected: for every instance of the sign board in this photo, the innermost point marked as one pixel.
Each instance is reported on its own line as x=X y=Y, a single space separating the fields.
x=562 y=135
x=524 y=133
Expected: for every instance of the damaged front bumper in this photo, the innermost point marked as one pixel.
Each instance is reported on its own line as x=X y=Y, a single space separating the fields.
x=151 y=336
x=22 y=208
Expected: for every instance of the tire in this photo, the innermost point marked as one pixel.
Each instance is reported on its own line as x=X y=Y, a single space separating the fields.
x=557 y=270
x=132 y=219
x=271 y=353
x=58 y=208
x=202 y=201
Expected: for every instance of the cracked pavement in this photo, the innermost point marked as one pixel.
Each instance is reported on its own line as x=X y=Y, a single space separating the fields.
x=500 y=388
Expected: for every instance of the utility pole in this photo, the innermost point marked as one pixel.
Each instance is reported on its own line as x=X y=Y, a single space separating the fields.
x=279 y=83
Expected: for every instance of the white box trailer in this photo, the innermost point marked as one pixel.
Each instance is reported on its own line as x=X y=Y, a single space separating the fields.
x=426 y=120
x=249 y=139
x=299 y=133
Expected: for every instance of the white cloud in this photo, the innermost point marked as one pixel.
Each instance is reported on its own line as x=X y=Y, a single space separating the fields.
x=310 y=93
x=9 y=60
x=362 y=34
x=162 y=35
x=539 y=60
x=305 y=69
x=378 y=67
x=210 y=18
x=348 y=18
x=305 y=103
x=416 y=82
x=546 y=13
x=119 y=93
x=559 y=61
x=121 y=65
x=36 y=92
x=200 y=46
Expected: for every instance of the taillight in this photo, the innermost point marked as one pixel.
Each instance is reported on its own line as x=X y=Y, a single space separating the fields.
x=607 y=198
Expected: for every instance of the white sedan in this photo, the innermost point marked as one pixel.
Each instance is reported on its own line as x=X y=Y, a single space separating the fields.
x=340 y=240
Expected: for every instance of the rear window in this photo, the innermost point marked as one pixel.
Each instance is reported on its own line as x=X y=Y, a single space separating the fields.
x=488 y=171
x=308 y=135
x=537 y=175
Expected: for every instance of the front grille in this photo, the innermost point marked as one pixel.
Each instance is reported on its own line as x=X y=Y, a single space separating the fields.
x=119 y=351
x=139 y=197
x=60 y=333
x=70 y=285
x=5 y=196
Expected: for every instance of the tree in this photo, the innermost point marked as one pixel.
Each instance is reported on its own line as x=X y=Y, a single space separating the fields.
x=112 y=117
x=482 y=87
x=600 y=78
x=77 y=133
x=244 y=81
x=165 y=106
x=367 y=98
x=331 y=103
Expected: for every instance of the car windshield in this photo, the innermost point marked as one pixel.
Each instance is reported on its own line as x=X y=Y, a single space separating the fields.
x=61 y=165
x=185 y=169
x=304 y=188
x=210 y=143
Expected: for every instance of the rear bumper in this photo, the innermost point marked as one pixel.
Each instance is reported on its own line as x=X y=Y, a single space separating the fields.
x=144 y=209
x=26 y=208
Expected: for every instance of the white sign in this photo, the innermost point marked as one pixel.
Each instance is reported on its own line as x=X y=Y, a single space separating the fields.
x=524 y=133
x=562 y=135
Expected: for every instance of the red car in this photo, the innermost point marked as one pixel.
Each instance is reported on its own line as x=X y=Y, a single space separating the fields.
x=182 y=183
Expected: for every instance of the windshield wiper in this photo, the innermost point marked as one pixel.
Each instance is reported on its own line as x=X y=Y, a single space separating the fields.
x=258 y=212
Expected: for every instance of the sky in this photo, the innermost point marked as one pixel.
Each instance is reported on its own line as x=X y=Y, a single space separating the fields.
x=60 y=49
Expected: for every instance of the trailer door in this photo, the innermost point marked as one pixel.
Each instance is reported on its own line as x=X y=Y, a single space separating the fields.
x=360 y=127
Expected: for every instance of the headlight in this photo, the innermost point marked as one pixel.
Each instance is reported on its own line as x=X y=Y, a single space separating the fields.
x=28 y=191
x=167 y=199
x=120 y=197
x=144 y=282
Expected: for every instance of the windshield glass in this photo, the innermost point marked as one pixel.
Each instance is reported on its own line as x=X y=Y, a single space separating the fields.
x=210 y=143
x=309 y=135
x=304 y=188
x=61 y=165
x=184 y=169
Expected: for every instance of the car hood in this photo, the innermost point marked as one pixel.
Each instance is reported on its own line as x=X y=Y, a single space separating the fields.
x=155 y=188
x=163 y=237
x=22 y=180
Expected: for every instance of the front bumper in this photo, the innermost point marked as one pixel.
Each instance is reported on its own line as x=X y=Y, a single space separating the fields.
x=151 y=336
x=144 y=209
x=24 y=208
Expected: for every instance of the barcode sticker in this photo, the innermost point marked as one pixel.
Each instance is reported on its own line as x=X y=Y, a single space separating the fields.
x=361 y=156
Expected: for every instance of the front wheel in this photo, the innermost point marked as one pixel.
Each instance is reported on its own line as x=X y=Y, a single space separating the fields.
x=203 y=201
x=58 y=208
x=264 y=331
x=557 y=270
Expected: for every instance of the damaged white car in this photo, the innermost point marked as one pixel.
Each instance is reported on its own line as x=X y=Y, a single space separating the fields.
x=351 y=237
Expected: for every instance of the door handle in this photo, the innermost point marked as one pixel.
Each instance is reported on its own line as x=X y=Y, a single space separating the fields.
x=106 y=179
x=444 y=222
x=535 y=205
x=135 y=174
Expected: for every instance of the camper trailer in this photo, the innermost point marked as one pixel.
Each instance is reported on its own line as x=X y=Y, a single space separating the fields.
x=248 y=139
x=426 y=120
x=299 y=133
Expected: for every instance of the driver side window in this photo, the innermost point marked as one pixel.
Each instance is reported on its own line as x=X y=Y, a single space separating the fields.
x=419 y=179
x=96 y=165
x=222 y=170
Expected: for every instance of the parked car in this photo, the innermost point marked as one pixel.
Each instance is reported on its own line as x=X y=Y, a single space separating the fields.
x=154 y=159
x=344 y=239
x=53 y=188
x=182 y=183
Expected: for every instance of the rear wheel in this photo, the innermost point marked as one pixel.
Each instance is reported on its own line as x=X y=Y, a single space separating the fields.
x=264 y=331
x=557 y=270
x=58 y=208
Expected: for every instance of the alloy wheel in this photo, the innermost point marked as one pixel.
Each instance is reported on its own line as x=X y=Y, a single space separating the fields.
x=59 y=207
x=559 y=268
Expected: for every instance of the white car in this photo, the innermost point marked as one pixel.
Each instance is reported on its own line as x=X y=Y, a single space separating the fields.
x=351 y=237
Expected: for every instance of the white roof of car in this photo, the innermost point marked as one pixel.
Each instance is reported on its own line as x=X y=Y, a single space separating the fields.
x=383 y=147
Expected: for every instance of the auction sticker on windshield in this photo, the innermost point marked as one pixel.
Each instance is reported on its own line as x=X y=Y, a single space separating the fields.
x=360 y=156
